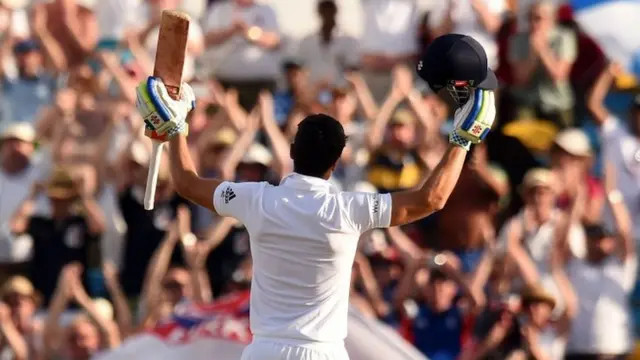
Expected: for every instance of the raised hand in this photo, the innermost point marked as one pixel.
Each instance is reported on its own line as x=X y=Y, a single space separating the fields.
x=474 y=119
x=161 y=113
x=402 y=80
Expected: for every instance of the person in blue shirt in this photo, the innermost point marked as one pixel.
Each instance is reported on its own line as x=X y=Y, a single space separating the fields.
x=33 y=88
x=443 y=298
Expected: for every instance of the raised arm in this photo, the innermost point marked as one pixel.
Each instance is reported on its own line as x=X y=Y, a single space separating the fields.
x=157 y=268
x=599 y=91
x=363 y=94
x=52 y=50
x=192 y=249
x=432 y=195
x=11 y=336
x=233 y=157
x=624 y=224
x=52 y=331
x=124 y=319
x=396 y=95
x=516 y=251
x=279 y=144
x=370 y=285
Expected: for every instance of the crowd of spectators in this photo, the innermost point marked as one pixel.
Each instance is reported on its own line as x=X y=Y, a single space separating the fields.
x=533 y=256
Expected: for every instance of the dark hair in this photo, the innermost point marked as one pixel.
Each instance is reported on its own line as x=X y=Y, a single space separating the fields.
x=327 y=5
x=318 y=145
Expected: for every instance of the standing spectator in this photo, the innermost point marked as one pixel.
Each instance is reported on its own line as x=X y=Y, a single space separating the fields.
x=438 y=323
x=74 y=224
x=18 y=171
x=148 y=35
x=620 y=143
x=395 y=161
x=529 y=234
x=469 y=216
x=480 y=19
x=328 y=52
x=145 y=229
x=244 y=37
x=541 y=60
x=603 y=281
x=34 y=85
x=75 y=27
x=571 y=160
x=388 y=40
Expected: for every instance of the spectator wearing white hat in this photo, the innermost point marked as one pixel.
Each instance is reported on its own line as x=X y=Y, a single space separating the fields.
x=571 y=160
x=620 y=144
x=529 y=235
x=243 y=37
x=21 y=331
x=18 y=171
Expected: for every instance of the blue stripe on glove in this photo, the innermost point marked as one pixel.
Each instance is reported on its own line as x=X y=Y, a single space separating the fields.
x=161 y=109
x=477 y=106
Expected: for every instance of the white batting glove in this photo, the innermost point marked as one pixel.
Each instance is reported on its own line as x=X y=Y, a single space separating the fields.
x=160 y=112
x=473 y=121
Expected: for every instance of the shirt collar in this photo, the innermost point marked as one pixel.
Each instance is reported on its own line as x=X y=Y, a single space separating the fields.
x=304 y=182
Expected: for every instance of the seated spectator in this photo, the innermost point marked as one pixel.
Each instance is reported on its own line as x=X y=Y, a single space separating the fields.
x=603 y=281
x=34 y=85
x=571 y=160
x=244 y=37
x=328 y=52
x=20 y=330
x=480 y=19
x=620 y=144
x=439 y=319
x=541 y=60
x=64 y=234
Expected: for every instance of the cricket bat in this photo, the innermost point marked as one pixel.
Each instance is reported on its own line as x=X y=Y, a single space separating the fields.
x=170 y=54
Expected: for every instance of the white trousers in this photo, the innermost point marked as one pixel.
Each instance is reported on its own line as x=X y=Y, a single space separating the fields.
x=263 y=349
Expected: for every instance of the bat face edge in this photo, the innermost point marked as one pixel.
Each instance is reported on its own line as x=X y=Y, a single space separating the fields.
x=171 y=50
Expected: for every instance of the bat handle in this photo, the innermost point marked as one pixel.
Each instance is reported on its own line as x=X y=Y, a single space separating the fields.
x=152 y=176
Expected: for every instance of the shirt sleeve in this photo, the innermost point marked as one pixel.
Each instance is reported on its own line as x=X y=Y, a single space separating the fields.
x=269 y=20
x=568 y=50
x=630 y=272
x=369 y=210
x=236 y=200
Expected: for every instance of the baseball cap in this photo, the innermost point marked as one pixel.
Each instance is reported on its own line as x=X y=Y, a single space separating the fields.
x=20 y=131
x=574 y=141
x=458 y=60
x=538 y=177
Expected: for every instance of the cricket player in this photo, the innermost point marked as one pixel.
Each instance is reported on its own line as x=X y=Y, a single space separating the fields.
x=304 y=232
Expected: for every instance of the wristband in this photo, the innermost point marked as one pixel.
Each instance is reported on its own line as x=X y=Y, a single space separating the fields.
x=615 y=196
x=458 y=140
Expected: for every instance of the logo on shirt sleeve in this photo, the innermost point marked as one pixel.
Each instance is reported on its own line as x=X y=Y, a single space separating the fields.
x=228 y=195
x=376 y=204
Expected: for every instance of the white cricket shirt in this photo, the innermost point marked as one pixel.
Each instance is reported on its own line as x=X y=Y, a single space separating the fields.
x=303 y=235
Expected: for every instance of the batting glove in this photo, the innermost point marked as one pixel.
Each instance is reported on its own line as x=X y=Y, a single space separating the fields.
x=162 y=114
x=473 y=121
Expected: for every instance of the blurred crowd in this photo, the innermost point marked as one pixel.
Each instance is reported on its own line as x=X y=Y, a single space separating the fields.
x=533 y=256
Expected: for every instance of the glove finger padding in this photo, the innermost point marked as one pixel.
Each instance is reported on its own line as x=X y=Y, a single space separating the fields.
x=474 y=120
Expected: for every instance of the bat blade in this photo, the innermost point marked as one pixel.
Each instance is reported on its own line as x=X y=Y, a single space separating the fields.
x=171 y=49
x=169 y=64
